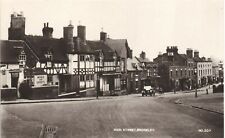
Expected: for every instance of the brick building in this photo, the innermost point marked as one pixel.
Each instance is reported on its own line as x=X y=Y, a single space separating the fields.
x=176 y=71
x=150 y=70
x=203 y=69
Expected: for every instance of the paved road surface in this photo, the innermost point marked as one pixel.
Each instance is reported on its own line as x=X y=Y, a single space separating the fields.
x=122 y=117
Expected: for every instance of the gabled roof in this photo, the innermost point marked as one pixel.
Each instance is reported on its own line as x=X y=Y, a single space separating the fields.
x=101 y=46
x=130 y=64
x=143 y=60
x=40 y=45
x=10 y=50
x=119 y=45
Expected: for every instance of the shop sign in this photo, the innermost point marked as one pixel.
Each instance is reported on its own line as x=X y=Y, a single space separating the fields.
x=40 y=80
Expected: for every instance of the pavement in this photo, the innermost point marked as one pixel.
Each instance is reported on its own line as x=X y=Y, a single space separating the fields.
x=211 y=102
x=23 y=101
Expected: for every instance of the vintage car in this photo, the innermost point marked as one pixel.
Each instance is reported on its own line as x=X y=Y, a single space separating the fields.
x=148 y=90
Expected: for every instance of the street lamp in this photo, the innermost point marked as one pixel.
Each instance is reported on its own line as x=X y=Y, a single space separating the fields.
x=98 y=85
x=196 y=82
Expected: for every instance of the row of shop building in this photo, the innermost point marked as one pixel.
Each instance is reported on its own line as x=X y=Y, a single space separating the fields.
x=186 y=71
x=77 y=66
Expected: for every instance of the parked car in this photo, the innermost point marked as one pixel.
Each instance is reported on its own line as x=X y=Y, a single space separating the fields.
x=148 y=90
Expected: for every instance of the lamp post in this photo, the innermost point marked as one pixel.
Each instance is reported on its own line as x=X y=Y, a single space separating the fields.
x=196 y=82
x=98 y=85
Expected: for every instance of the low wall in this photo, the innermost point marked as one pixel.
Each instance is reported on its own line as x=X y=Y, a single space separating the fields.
x=44 y=92
x=8 y=94
x=91 y=92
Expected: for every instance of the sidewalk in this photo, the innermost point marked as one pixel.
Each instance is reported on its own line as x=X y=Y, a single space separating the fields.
x=23 y=101
x=211 y=102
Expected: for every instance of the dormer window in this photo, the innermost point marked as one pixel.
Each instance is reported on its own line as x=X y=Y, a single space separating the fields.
x=22 y=59
x=48 y=55
x=134 y=65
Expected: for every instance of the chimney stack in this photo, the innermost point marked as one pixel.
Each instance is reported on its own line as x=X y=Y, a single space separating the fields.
x=68 y=37
x=196 y=54
x=16 y=31
x=47 y=31
x=103 y=36
x=81 y=33
x=143 y=55
x=189 y=53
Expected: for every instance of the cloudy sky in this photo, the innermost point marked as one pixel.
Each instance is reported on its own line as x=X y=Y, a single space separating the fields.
x=148 y=25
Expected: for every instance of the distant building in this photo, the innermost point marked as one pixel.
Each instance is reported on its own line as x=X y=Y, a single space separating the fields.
x=176 y=71
x=150 y=70
x=204 y=70
x=135 y=76
x=221 y=72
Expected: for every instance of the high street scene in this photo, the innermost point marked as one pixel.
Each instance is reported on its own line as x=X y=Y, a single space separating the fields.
x=156 y=73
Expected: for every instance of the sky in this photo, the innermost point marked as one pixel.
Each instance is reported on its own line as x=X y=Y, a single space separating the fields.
x=148 y=25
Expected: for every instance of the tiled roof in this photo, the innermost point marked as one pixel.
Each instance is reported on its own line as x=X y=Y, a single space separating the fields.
x=101 y=46
x=10 y=50
x=130 y=64
x=119 y=45
x=146 y=60
x=83 y=48
x=40 y=45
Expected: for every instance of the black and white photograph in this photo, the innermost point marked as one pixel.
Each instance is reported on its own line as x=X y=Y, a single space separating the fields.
x=112 y=68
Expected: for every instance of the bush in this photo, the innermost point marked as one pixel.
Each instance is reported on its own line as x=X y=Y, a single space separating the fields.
x=25 y=90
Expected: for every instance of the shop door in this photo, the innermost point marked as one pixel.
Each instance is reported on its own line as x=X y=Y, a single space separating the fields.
x=14 y=79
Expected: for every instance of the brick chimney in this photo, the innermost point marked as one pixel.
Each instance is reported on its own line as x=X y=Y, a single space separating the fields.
x=103 y=36
x=47 y=31
x=196 y=53
x=189 y=53
x=16 y=31
x=81 y=33
x=68 y=37
x=143 y=55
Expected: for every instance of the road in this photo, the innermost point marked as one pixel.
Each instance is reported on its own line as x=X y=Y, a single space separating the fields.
x=122 y=117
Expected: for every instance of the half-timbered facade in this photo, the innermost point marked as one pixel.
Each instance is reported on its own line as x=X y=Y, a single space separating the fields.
x=107 y=68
